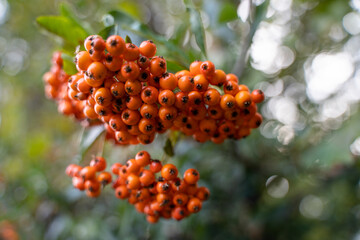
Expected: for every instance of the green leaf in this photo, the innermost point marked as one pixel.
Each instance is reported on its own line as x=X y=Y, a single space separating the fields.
x=227 y=13
x=88 y=139
x=174 y=66
x=168 y=148
x=108 y=31
x=67 y=12
x=64 y=28
x=197 y=29
x=128 y=39
x=69 y=65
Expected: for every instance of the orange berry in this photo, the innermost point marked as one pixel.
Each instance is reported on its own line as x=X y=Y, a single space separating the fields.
x=231 y=87
x=166 y=98
x=103 y=97
x=232 y=77
x=149 y=111
x=113 y=63
x=133 y=181
x=194 y=205
x=255 y=121
x=117 y=89
x=133 y=102
x=227 y=102
x=149 y=95
x=122 y=192
x=130 y=117
x=147 y=126
x=212 y=97
x=169 y=171
x=203 y=193
x=130 y=70
x=104 y=178
x=99 y=163
x=143 y=158
x=143 y=62
x=131 y=52
x=195 y=67
x=157 y=66
x=133 y=87
x=115 y=45
x=148 y=48
x=183 y=73
x=146 y=177
x=87 y=173
x=191 y=176
x=207 y=68
x=95 y=74
x=243 y=99
x=218 y=78
x=122 y=137
x=186 y=83
x=168 y=81
x=201 y=83
x=83 y=60
x=167 y=113
x=257 y=96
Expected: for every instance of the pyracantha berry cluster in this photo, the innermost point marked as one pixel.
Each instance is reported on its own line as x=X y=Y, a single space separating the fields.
x=154 y=189
x=129 y=90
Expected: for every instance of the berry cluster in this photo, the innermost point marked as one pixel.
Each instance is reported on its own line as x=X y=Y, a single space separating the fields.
x=56 y=88
x=128 y=89
x=119 y=82
x=206 y=114
x=85 y=178
x=167 y=196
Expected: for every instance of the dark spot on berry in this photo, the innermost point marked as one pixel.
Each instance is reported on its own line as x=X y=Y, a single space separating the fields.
x=126 y=115
x=144 y=75
x=213 y=112
x=195 y=112
x=147 y=115
x=197 y=101
x=101 y=99
x=149 y=128
x=168 y=116
x=128 y=69
x=247 y=103
x=113 y=43
x=147 y=93
x=229 y=104
x=142 y=59
x=109 y=58
x=156 y=79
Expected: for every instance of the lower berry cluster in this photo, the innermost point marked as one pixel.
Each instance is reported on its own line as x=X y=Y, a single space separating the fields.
x=154 y=189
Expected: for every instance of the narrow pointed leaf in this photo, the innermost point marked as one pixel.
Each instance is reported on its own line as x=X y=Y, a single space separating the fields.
x=64 y=28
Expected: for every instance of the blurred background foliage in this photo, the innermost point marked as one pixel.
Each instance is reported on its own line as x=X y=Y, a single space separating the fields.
x=296 y=177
